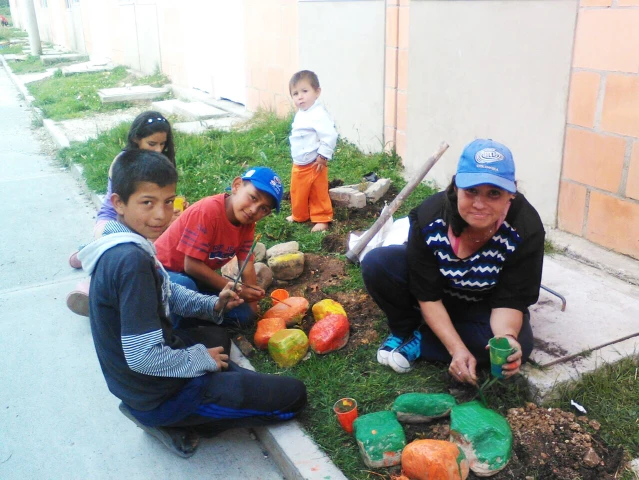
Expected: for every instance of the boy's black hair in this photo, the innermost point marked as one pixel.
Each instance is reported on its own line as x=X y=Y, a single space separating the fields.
x=145 y=125
x=311 y=77
x=135 y=166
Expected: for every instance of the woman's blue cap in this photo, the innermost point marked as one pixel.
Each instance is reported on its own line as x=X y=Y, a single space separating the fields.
x=266 y=180
x=485 y=161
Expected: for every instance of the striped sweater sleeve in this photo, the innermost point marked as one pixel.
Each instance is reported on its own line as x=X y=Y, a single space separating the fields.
x=190 y=304
x=148 y=354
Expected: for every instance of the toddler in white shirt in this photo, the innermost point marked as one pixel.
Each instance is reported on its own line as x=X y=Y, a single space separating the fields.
x=313 y=139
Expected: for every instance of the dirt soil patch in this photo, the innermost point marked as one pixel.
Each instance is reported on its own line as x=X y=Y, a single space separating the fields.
x=548 y=444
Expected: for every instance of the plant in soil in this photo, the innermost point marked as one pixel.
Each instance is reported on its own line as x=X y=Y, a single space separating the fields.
x=548 y=444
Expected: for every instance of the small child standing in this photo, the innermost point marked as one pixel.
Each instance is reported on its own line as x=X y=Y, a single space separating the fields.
x=176 y=385
x=313 y=139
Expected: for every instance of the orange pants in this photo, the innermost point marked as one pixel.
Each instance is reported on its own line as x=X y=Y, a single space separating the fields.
x=309 y=194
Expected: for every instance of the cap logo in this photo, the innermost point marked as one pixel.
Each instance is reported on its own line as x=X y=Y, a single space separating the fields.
x=249 y=173
x=276 y=183
x=488 y=155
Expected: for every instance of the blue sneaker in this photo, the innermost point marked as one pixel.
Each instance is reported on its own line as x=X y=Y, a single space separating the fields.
x=390 y=344
x=403 y=357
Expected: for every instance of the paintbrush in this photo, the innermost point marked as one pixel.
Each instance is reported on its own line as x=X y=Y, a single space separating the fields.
x=242 y=284
x=239 y=274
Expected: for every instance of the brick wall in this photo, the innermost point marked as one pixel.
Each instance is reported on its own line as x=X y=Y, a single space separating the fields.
x=599 y=191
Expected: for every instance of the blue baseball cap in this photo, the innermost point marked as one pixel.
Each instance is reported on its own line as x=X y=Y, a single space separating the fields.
x=266 y=180
x=486 y=161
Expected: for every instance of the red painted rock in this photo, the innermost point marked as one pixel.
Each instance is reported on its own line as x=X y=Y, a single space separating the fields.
x=329 y=334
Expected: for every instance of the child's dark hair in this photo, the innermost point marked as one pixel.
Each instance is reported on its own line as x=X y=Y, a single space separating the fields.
x=145 y=125
x=135 y=166
x=307 y=75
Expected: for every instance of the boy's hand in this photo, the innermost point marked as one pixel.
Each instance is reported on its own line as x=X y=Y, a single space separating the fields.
x=251 y=295
x=320 y=162
x=221 y=358
x=228 y=298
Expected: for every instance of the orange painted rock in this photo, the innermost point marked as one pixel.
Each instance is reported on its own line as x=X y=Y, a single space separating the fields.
x=265 y=330
x=291 y=310
x=434 y=460
x=287 y=347
x=327 y=307
x=329 y=334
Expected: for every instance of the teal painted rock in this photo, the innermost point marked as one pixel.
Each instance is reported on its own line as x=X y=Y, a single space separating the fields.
x=380 y=438
x=483 y=435
x=422 y=407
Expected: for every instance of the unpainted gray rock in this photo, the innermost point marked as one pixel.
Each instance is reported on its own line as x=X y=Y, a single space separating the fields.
x=264 y=275
x=259 y=251
x=281 y=249
x=288 y=266
x=231 y=269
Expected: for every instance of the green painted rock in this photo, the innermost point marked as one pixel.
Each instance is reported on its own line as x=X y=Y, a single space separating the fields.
x=380 y=438
x=483 y=435
x=422 y=407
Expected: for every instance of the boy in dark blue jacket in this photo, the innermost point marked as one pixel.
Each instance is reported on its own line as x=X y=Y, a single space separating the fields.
x=175 y=384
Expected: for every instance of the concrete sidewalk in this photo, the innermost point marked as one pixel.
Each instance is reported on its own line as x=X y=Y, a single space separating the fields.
x=57 y=417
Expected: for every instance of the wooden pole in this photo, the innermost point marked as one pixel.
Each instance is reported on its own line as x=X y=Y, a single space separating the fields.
x=353 y=253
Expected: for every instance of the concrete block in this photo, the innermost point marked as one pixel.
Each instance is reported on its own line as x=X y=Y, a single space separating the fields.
x=165 y=107
x=223 y=123
x=34 y=77
x=16 y=57
x=131 y=94
x=56 y=133
x=63 y=57
x=377 y=190
x=194 y=128
x=346 y=196
x=197 y=111
x=87 y=67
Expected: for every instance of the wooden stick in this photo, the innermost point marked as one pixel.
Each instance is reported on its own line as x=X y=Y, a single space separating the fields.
x=242 y=284
x=353 y=253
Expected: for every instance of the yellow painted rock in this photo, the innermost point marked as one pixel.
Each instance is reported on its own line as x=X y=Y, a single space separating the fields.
x=327 y=307
x=287 y=347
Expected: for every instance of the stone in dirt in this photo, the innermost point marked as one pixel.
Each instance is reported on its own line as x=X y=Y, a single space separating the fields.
x=259 y=252
x=380 y=438
x=288 y=266
x=433 y=459
x=422 y=407
x=282 y=248
x=264 y=275
x=244 y=345
x=483 y=435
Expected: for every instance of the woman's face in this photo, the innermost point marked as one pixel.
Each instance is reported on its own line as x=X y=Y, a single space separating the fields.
x=481 y=206
x=155 y=142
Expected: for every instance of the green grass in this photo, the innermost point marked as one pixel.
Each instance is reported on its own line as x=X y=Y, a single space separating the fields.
x=64 y=97
x=207 y=164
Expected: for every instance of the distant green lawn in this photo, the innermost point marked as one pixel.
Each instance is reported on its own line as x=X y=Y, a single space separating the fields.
x=73 y=96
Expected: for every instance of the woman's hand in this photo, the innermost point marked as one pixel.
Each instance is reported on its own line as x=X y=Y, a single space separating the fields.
x=228 y=298
x=514 y=360
x=463 y=367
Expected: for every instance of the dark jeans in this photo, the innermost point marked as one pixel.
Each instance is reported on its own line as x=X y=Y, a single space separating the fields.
x=240 y=316
x=241 y=398
x=385 y=273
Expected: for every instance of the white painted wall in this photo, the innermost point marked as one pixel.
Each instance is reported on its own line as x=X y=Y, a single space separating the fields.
x=343 y=43
x=497 y=69
x=214 y=48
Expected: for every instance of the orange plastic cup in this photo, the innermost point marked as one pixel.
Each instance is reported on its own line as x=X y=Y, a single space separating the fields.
x=346 y=410
x=279 y=294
